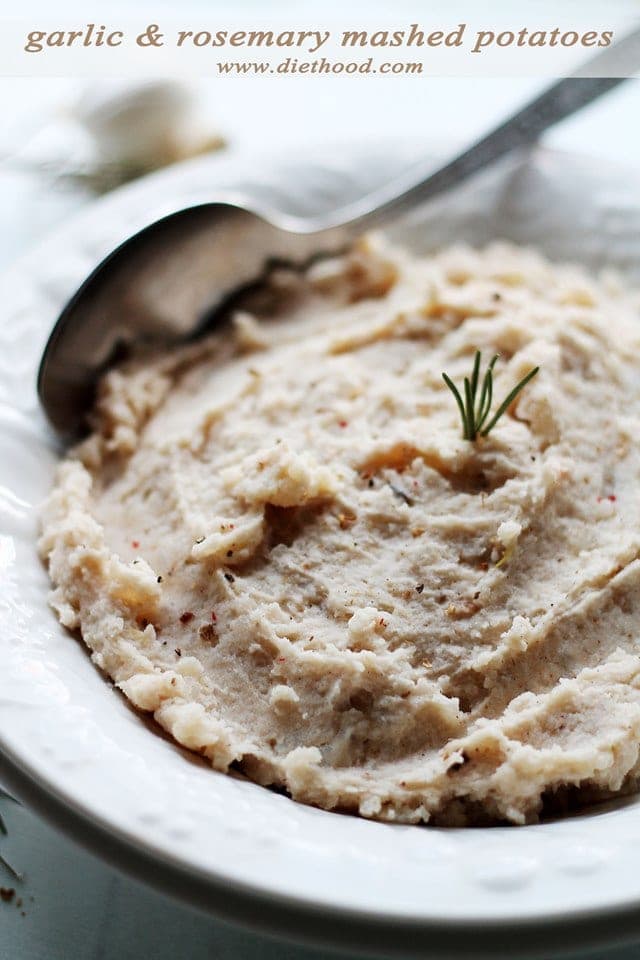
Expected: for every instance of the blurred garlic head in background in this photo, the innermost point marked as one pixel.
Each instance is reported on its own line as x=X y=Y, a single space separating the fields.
x=142 y=125
x=139 y=126
x=98 y=135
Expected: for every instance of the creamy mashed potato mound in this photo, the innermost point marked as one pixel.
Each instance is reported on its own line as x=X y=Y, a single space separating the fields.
x=277 y=542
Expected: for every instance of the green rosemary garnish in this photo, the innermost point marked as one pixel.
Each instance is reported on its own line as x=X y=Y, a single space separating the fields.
x=474 y=414
x=3 y=830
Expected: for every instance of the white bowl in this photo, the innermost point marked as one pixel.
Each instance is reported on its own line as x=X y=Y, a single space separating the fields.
x=72 y=747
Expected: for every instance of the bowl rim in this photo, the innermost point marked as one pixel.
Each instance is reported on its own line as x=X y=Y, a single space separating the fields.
x=302 y=922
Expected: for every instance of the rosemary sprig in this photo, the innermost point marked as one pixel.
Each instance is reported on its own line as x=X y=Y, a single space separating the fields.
x=3 y=830
x=473 y=410
x=11 y=870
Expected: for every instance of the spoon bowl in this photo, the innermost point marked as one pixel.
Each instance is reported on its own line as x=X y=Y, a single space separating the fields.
x=164 y=284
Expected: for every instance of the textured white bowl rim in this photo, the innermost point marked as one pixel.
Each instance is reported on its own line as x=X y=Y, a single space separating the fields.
x=74 y=750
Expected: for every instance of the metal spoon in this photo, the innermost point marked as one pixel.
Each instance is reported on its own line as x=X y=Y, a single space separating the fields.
x=169 y=281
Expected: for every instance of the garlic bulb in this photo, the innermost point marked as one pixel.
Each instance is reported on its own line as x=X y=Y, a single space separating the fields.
x=139 y=126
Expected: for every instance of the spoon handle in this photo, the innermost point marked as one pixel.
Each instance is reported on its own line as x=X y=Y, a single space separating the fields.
x=521 y=130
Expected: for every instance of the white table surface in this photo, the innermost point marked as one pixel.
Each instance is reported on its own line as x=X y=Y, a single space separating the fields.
x=73 y=906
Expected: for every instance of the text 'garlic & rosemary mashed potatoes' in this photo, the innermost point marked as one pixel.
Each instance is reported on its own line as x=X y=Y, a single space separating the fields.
x=278 y=541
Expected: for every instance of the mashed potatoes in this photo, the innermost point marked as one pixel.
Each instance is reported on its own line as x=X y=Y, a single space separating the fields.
x=278 y=542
